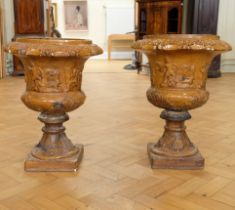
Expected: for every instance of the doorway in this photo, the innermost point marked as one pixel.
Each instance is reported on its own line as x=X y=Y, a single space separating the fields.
x=2 y=54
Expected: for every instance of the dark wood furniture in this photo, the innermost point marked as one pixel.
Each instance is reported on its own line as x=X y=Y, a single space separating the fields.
x=203 y=19
x=158 y=17
x=29 y=21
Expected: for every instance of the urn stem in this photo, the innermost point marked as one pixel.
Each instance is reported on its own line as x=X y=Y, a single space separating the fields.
x=54 y=143
x=174 y=149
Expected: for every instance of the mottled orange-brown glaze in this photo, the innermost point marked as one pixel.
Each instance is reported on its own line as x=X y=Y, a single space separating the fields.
x=178 y=71
x=53 y=75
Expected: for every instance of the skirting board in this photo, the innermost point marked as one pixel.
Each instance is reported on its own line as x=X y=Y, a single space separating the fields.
x=116 y=56
x=228 y=65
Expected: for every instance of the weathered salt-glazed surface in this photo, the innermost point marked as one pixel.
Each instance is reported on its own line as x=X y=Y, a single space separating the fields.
x=53 y=75
x=178 y=70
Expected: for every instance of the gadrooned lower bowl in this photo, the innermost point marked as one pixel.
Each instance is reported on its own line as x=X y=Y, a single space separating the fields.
x=53 y=102
x=177 y=99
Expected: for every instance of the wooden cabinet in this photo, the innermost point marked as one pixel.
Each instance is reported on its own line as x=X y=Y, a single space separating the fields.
x=29 y=16
x=29 y=21
x=159 y=16
x=203 y=19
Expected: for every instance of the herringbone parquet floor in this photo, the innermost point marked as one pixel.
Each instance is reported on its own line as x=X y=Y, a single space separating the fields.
x=115 y=124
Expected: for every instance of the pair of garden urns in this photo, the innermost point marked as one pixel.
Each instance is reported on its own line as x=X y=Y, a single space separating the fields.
x=53 y=74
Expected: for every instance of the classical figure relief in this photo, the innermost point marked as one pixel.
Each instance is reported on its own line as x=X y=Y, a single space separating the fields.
x=202 y=76
x=75 y=79
x=178 y=76
x=34 y=78
x=51 y=80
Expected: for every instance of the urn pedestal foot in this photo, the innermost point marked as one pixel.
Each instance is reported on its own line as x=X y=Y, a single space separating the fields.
x=174 y=150
x=55 y=152
x=166 y=162
x=69 y=164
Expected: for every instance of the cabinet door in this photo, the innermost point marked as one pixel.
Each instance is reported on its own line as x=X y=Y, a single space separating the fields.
x=18 y=67
x=205 y=19
x=165 y=18
x=205 y=16
x=157 y=20
x=142 y=21
x=29 y=16
x=174 y=20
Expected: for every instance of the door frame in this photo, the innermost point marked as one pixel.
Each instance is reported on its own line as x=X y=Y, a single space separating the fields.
x=2 y=41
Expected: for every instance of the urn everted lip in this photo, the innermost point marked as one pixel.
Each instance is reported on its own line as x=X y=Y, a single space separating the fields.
x=53 y=75
x=178 y=72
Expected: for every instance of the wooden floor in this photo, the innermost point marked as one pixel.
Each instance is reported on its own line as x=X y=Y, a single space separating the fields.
x=115 y=125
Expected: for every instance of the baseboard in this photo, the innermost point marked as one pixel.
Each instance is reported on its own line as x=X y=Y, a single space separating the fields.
x=228 y=65
x=115 y=55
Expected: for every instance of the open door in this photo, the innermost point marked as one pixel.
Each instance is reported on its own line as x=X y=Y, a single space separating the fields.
x=2 y=54
x=203 y=19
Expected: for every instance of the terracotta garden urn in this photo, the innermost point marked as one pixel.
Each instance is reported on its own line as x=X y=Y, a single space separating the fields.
x=178 y=70
x=53 y=75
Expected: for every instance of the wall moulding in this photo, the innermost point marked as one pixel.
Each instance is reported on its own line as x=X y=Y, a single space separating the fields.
x=2 y=41
x=226 y=32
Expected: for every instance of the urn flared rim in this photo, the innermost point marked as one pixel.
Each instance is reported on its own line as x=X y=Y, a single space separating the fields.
x=170 y=42
x=53 y=47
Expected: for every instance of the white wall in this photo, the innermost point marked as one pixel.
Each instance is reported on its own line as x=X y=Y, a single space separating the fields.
x=96 y=20
x=9 y=20
x=226 y=31
x=9 y=30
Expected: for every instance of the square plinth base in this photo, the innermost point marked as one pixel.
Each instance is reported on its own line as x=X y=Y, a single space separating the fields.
x=69 y=164
x=185 y=163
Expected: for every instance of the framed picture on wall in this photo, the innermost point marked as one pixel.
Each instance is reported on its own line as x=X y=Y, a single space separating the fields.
x=76 y=15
